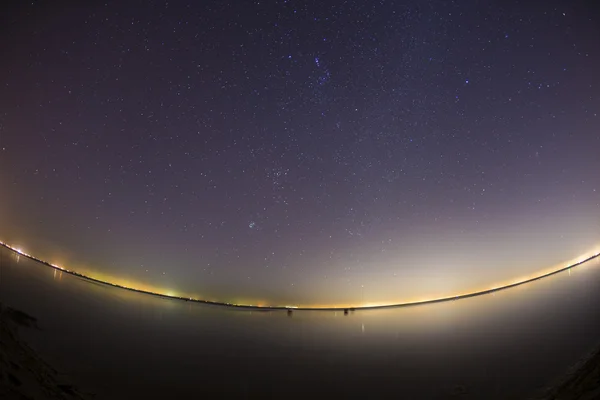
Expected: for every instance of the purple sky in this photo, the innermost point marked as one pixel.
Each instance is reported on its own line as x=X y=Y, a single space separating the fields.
x=308 y=152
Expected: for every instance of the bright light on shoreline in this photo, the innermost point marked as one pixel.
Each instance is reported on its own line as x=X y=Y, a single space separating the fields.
x=170 y=294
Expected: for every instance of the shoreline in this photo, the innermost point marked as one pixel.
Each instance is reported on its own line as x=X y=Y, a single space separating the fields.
x=581 y=381
x=24 y=374
x=251 y=307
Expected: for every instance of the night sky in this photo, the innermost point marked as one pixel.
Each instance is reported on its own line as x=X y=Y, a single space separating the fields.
x=301 y=152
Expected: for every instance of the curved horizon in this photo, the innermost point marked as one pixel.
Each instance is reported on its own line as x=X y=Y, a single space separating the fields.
x=368 y=306
x=302 y=157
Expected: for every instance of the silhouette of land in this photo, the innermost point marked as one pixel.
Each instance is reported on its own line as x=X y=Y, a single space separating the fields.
x=581 y=382
x=276 y=307
x=23 y=374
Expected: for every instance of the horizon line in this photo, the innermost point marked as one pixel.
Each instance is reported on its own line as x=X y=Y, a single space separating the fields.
x=304 y=308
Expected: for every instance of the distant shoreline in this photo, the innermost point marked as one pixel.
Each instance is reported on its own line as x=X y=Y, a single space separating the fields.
x=251 y=307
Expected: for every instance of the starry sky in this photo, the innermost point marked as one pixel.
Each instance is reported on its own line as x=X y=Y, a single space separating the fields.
x=301 y=152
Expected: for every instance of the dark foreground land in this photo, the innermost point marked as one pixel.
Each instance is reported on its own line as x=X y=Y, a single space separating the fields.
x=581 y=383
x=24 y=375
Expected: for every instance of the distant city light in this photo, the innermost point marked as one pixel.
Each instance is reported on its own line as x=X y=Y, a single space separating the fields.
x=170 y=294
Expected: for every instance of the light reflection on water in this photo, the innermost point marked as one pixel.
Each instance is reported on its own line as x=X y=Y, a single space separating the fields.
x=121 y=344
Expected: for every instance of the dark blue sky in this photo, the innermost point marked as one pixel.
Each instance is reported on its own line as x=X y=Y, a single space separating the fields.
x=308 y=152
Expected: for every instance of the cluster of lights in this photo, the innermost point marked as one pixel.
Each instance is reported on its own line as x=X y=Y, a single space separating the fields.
x=292 y=307
x=167 y=295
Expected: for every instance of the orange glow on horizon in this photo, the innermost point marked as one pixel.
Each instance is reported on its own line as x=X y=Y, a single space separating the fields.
x=149 y=289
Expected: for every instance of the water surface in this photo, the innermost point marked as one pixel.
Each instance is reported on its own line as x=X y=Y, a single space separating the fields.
x=120 y=344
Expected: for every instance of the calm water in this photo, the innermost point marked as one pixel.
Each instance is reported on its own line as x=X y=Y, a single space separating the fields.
x=120 y=344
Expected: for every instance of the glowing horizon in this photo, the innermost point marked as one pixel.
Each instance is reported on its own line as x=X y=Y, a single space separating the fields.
x=174 y=294
x=389 y=163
